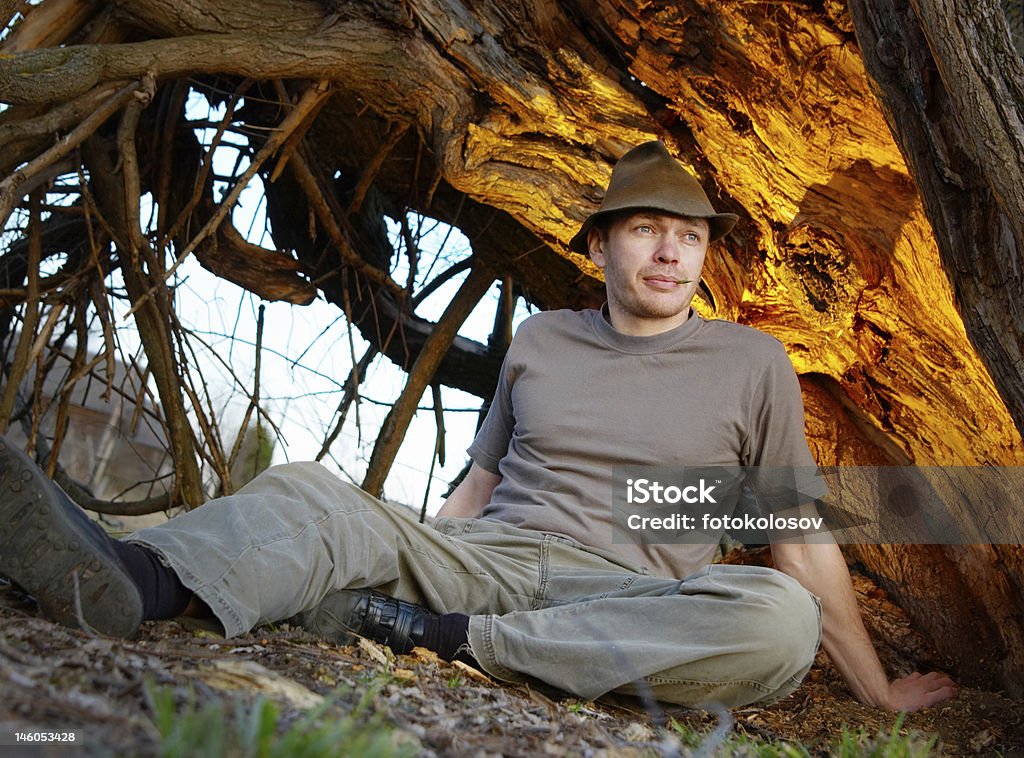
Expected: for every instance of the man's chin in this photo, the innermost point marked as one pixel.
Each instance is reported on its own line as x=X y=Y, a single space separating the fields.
x=659 y=309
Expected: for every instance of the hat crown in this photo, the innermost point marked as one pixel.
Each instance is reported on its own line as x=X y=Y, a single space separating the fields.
x=649 y=178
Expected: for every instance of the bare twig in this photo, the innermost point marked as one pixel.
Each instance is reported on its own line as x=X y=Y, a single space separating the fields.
x=98 y=292
x=9 y=187
x=317 y=198
x=44 y=334
x=130 y=163
x=213 y=450
x=396 y=133
x=438 y=454
x=412 y=252
x=254 y=398
x=445 y=276
x=154 y=325
x=310 y=100
x=207 y=165
x=46 y=455
x=351 y=391
x=295 y=138
x=213 y=353
x=64 y=401
x=20 y=364
x=431 y=354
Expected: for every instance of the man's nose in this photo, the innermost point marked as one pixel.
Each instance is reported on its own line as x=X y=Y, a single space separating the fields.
x=667 y=250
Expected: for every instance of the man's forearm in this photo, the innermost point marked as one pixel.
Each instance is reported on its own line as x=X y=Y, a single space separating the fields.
x=472 y=494
x=822 y=570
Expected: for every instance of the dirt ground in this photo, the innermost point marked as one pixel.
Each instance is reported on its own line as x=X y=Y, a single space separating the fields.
x=62 y=679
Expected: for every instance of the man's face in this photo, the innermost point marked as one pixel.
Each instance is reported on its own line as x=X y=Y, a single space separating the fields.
x=652 y=263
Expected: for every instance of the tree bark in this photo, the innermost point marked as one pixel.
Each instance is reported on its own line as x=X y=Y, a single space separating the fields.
x=952 y=88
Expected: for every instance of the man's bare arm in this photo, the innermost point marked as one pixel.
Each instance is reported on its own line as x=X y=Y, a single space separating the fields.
x=821 y=569
x=472 y=494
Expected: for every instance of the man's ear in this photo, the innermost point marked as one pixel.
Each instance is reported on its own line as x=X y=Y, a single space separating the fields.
x=595 y=243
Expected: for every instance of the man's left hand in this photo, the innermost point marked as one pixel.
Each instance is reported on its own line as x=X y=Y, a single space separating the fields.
x=919 y=691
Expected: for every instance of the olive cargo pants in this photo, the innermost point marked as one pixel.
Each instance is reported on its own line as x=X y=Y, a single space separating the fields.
x=542 y=606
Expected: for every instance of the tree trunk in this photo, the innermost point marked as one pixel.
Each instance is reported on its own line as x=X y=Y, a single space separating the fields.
x=952 y=87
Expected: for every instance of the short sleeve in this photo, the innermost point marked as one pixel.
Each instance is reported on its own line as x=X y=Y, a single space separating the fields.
x=491 y=442
x=775 y=429
x=785 y=472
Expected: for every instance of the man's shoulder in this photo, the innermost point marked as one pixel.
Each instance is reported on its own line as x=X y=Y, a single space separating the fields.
x=554 y=323
x=750 y=340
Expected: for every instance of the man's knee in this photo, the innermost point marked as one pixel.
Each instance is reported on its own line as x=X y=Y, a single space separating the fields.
x=773 y=623
x=788 y=621
x=308 y=483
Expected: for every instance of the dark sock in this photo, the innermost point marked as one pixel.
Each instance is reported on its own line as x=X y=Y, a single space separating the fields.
x=163 y=594
x=448 y=636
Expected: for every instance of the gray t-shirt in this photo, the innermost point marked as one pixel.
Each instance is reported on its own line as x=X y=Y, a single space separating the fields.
x=576 y=398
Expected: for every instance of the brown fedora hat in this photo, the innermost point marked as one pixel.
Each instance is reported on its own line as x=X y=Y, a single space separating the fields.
x=647 y=177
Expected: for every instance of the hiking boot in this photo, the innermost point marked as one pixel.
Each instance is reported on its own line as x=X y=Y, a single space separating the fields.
x=344 y=614
x=51 y=549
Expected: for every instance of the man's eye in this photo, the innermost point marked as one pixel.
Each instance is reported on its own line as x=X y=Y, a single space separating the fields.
x=645 y=228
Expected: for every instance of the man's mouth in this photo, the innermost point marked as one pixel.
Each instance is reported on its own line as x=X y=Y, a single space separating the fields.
x=664 y=281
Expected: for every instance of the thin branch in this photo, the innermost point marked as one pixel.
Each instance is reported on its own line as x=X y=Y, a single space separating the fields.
x=412 y=251
x=431 y=354
x=309 y=184
x=442 y=278
x=130 y=164
x=309 y=101
x=295 y=139
x=438 y=454
x=77 y=361
x=207 y=165
x=154 y=325
x=74 y=490
x=98 y=291
x=395 y=134
x=19 y=366
x=208 y=424
x=9 y=187
x=80 y=495
x=351 y=392
x=254 y=398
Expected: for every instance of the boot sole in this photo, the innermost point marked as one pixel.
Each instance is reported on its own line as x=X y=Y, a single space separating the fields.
x=51 y=557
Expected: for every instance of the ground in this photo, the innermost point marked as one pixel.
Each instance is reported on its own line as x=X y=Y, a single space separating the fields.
x=111 y=692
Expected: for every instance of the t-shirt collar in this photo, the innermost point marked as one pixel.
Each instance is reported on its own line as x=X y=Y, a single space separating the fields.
x=636 y=345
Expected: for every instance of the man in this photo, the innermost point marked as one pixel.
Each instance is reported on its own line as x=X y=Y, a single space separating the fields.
x=520 y=573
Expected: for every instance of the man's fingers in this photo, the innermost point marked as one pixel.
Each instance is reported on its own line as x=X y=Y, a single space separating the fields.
x=924 y=690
